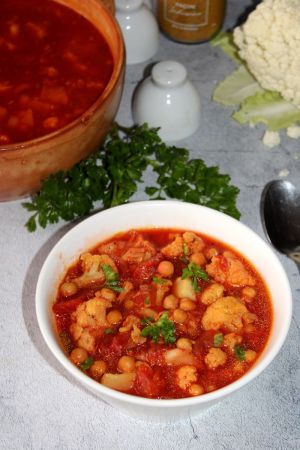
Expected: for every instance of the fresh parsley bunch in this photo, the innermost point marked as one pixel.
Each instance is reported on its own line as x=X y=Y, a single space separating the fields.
x=112 y=175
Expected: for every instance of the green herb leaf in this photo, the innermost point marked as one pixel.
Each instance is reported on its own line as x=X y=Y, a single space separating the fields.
x=146 y=320
x=113 y=173
x=195 y=272
x=87 y=363
x=112 y=278
x=147 y=300
x=162 y=328
x=108 y=331
x=239 y=352
x=218 y=339
x=158 y=280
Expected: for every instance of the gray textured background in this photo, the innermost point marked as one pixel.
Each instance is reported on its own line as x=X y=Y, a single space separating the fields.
x=41 y=408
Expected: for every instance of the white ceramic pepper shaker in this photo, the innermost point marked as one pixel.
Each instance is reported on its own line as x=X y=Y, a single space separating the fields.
x=167 y=99
x=140 y=30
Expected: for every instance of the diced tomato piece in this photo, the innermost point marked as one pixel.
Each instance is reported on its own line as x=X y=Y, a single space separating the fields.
x=144 y=271
x=66 y=307
x=113 y=346
x=56 y=95
x=149 y=382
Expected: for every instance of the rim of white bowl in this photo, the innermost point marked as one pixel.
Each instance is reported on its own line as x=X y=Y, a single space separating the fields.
x=42 y=312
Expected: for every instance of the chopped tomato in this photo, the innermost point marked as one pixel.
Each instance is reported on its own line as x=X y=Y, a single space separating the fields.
x=146 y=270
x=149 y=382
x=66 y=307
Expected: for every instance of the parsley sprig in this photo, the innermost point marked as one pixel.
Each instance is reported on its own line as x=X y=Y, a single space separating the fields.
x=111 y=278
x=195 y=272
x=162 y=328
x=113 y=173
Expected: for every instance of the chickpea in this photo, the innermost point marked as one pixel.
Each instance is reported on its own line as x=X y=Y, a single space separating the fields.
x=179 y=315
x=196 y=389
x=184 y=344
x=98 y=369
x=198 y=258
x=250 y=355
x=249 y=292
x=165 y=268
x=126 y=364
x=128 y=304
x=114 y=317
x=108 y=294
x=170 y=302
x=68 y=289
x=187 y=305
x=79 y=355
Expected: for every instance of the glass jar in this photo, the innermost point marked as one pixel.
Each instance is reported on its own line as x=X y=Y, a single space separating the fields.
x=190 y=21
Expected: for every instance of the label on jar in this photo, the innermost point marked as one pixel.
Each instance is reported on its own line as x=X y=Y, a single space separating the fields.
x=186 y=15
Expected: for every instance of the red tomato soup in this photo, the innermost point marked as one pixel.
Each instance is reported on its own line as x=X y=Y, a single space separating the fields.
x=163 y=314
x=54 y=64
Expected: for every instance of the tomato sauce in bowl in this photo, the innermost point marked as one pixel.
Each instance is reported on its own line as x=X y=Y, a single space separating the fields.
x=163 y=314
x=54 y=64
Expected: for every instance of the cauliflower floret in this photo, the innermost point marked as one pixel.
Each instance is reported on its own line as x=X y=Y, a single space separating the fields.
x=228 y=268
x=87 y=316
x=215 y=358
x=293 y=132
x=269 y=43
x=128 y=323
x=186 y=375
x=231 y=340
x=212 y=293
x=92 y=271
x=271 y=138
x=174 y=249
x=140 y=250
x=86 y=341
x=194 y=242
x=136 y=335
x=228 y=312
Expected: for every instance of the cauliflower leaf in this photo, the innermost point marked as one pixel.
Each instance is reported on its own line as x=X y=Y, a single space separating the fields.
x=224 y=40
x=269 y=108
x=236 y=87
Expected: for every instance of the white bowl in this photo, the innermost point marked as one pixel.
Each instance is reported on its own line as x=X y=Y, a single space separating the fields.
x=164 y=214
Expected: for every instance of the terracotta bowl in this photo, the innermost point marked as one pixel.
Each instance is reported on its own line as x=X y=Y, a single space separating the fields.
x=24 y=165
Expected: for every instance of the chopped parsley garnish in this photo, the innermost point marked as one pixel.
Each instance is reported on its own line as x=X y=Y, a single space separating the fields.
x=162 y=328
x=147 y=300
x=112 y=278
x=87 y=363
x=114 y=172
x=239 y=352
x=218 y=339
x=158 y=280
x=194 y=272
x=108 y=331
x=185 y=257
x=146 y=320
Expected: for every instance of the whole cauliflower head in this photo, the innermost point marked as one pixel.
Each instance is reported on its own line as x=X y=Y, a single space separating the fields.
x=269 y=43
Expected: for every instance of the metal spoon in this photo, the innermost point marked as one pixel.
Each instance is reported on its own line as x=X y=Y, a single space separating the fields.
x=280 y=214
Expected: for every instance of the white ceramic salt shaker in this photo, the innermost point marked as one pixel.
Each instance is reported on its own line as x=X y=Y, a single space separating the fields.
x=140 y=30
x=167 y=99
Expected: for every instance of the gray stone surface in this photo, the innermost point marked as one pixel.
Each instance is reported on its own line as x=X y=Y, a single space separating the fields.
x=41 y=408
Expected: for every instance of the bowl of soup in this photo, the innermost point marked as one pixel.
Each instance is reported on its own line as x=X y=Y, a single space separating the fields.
x=163 y=308
x=61 y=80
